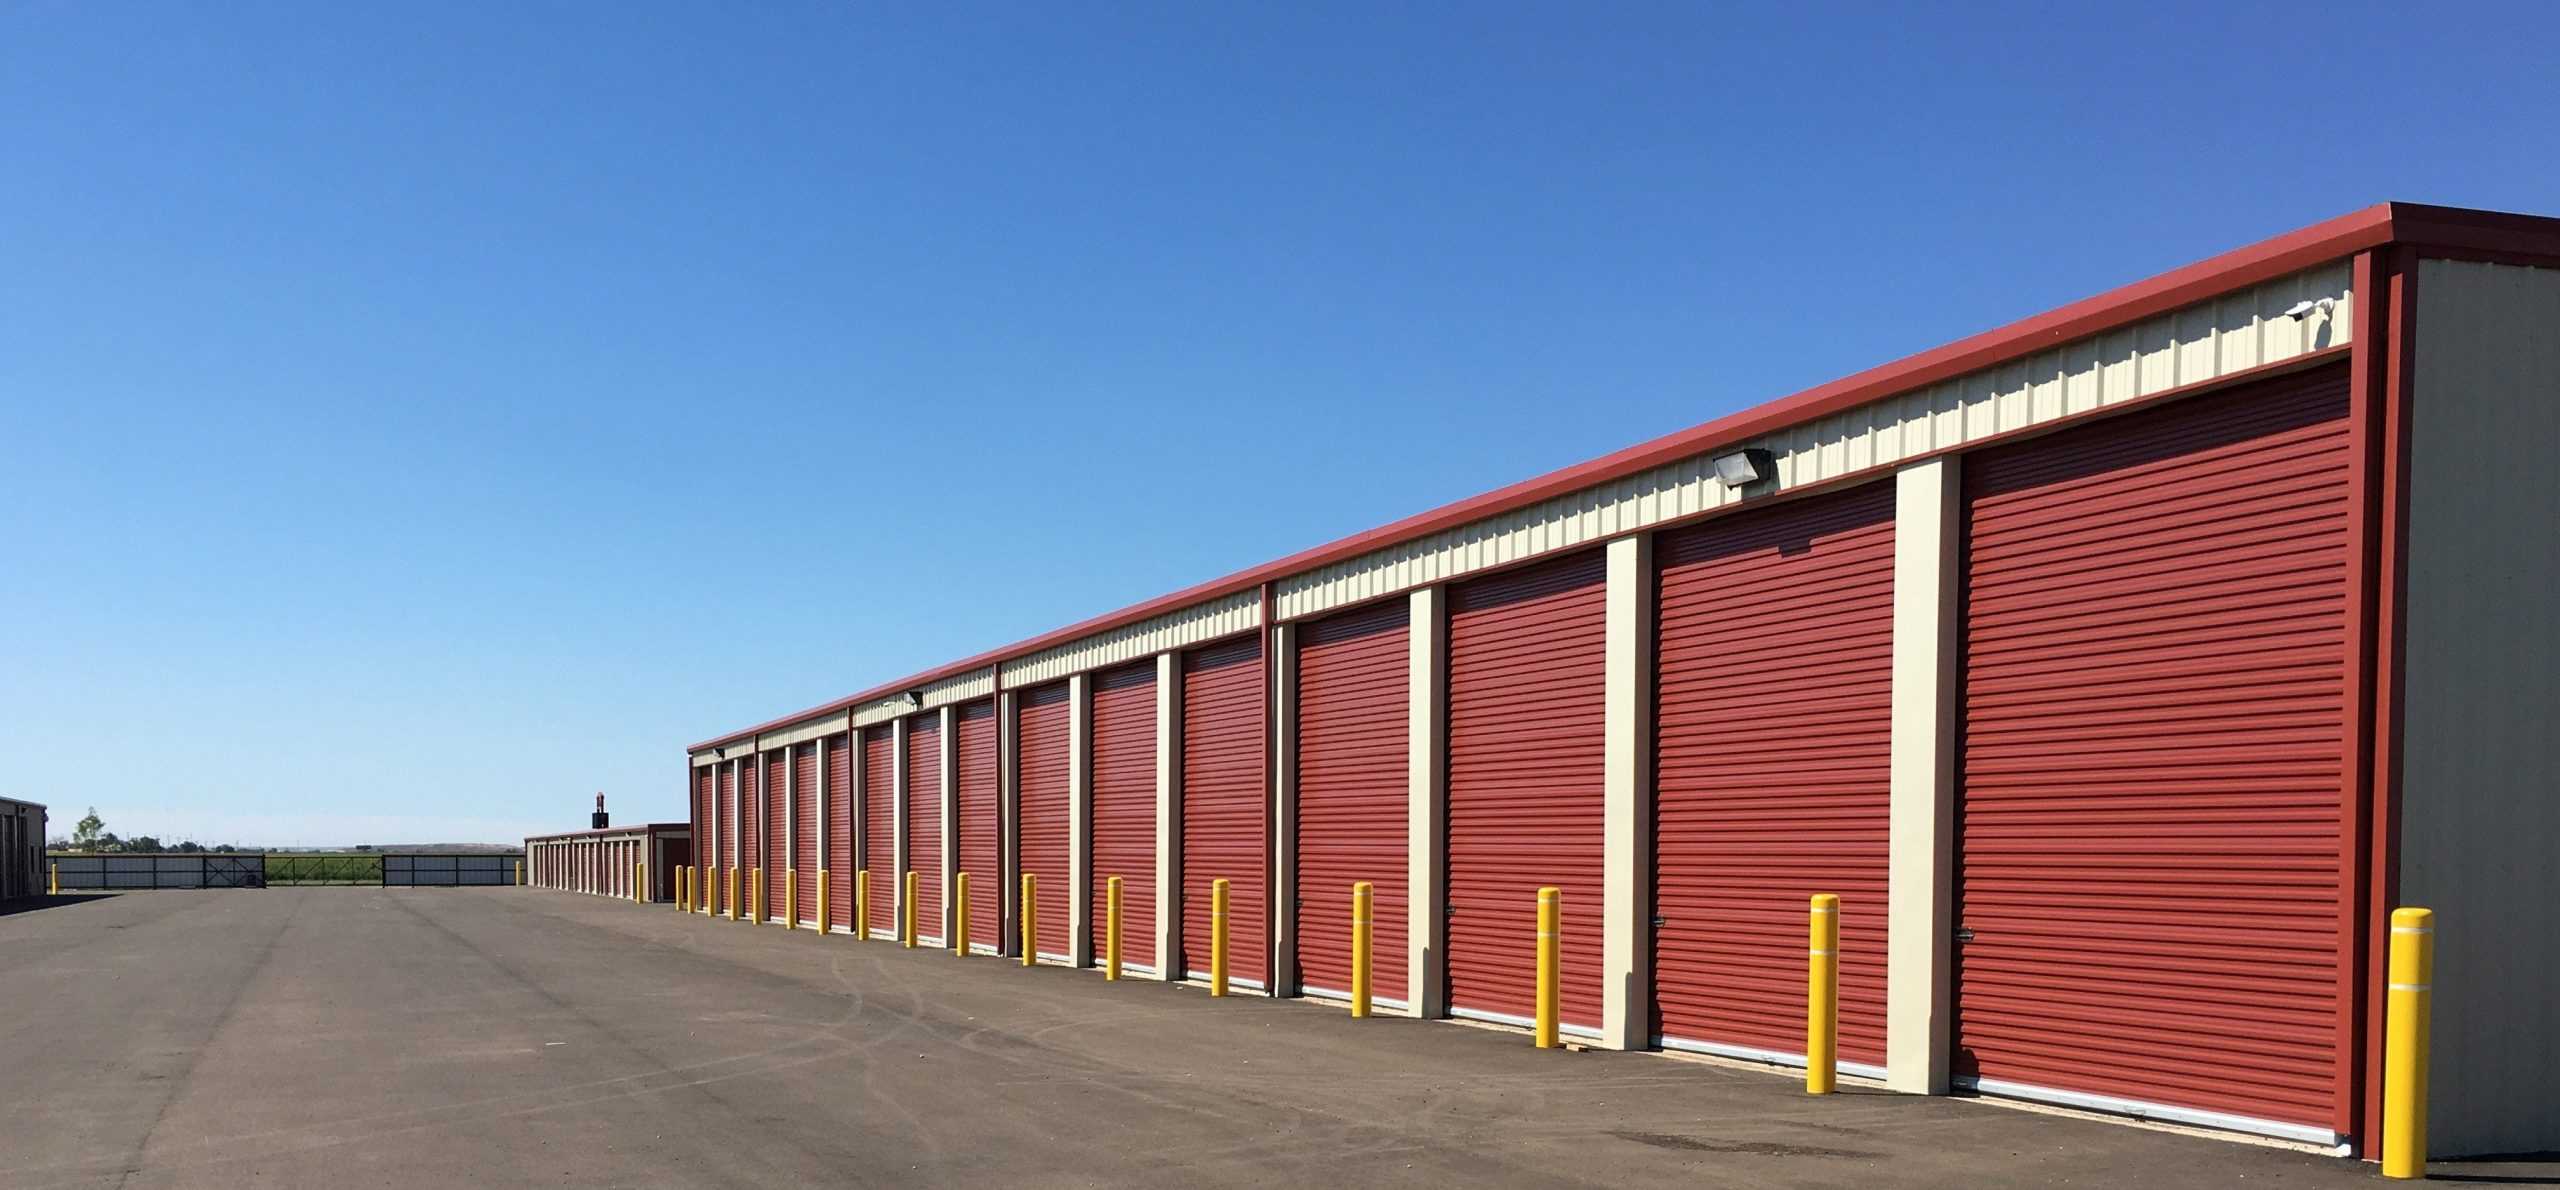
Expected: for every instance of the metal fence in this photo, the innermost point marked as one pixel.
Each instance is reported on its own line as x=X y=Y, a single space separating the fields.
x=211 y=870
x=450 y=869
x=228 y=870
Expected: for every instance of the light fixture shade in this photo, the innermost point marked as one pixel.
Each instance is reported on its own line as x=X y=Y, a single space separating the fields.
x=1745 y=467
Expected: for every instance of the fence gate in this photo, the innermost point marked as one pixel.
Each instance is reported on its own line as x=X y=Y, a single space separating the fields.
x=160 y=871
x=449 y=869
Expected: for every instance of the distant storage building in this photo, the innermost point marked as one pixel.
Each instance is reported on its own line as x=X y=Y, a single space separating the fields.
x=22 y=831
x=609 y=862
x=2120 y=669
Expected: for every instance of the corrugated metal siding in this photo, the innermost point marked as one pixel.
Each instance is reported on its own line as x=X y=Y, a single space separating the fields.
x=728 y=854
x=775 y=851
x=977 y=683
x=981 y=812
x=1223 y=807
x=801 y=733
x=2233 y=333
x=1224 y=616
x=924 y=821
x=806 y=829
x=1353 y=793
x=839 y=860
x=880 y=827
x=1040 y=758
x=1124 y=808
x=1774 y=701
x=2155 y=668
x=1526 y=782
x=2480 y=819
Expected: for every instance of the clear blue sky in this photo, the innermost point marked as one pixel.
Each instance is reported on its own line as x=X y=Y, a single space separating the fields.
x=417 y=417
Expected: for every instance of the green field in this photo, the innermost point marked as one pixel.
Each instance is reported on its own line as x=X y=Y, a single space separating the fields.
x=348 y=868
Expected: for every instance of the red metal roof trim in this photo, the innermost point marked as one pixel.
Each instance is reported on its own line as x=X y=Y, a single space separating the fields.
x=2333 y=239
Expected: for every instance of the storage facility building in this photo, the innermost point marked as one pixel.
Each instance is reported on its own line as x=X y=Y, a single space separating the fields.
x=608 y=862
x=2119 y=669
x=22 y=831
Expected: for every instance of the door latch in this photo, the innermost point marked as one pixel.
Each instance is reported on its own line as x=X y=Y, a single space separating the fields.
x=1964 y=935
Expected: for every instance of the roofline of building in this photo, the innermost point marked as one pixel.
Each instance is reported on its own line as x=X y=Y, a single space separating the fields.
x=2329 y=240
x=653 y=828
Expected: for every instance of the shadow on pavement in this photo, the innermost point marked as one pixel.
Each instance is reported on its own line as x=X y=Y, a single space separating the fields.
x=59 y=901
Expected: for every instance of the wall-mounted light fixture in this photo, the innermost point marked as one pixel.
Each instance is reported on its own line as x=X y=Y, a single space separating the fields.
x=1745 y=467
x=2300 y=309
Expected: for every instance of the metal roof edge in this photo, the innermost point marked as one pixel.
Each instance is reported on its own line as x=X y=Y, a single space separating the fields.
x=2302 y=248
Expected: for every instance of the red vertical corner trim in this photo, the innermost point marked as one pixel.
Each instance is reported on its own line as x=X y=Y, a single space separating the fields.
x=2364 y=388
x=2393 y=359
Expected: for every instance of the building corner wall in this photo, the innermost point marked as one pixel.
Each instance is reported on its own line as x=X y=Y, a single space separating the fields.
x=1920 y=868
x=2479 y=816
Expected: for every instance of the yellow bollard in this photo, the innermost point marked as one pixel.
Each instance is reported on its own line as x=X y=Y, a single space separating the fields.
x=1360 y=902
x=1822 y=996
x=640 y=883
x=907 y=914
x=960 y=914
x=1217 y=937
x=684 y=889
x=755 y=894
x=1550 y=926
x=53 y=880
x=519 y=873
x=733 y=894
x=2404 y=1043
x=862 y=904
x=1111 y=932
x=791 y=898
x=826 y=905
x=1030 y=920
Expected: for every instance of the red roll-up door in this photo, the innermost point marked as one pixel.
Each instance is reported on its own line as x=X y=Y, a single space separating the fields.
x=979 y=822
x=924 y=822
x=838 y=859
x=1223 y=836
x=1124 y=808
x=880 y=826
x=806 y=829
x=705 y=812
x=725 y=861
x=1773 y=769
x=2153 y=758
x=1353 y=795
x=1040 y=743
x=775 y=850
x=1526 y=784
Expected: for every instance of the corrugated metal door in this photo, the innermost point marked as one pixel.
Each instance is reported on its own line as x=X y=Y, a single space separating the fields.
x=727 y=856
x=705 y=811
x=2156 y=670
x=1353 y=795
x=839 y=842
x=1773 y=768
x=776 y=848
x=924 y=822
x=980 y=813
x=879 y=826
x=1040 y=757
x=1526 y=785
x=806 y=829
x=1124 y=808
x=1223 y=836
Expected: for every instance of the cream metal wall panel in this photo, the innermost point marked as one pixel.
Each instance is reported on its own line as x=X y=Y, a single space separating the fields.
x=800 y=733
x=1240 y=612
x=977 y=683
x=2479 y=821
x=2241 y=330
